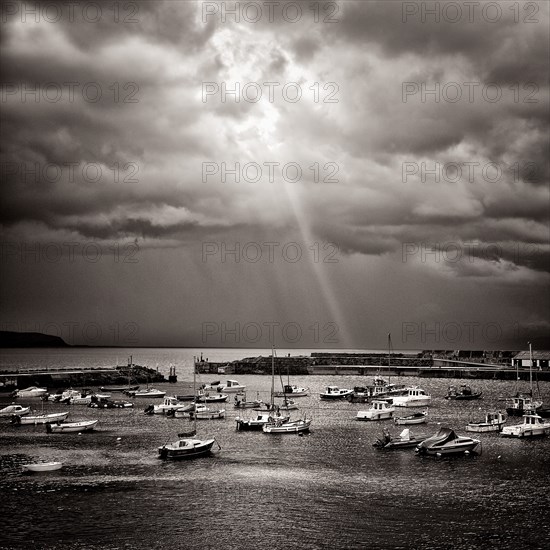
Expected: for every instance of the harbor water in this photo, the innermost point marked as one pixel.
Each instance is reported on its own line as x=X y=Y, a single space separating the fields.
x=327 y=489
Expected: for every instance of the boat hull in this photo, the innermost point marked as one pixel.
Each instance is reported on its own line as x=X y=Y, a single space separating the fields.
x=72 y=427
x=14 y=409
x=41 y=419
x=411 y=403
x=42 y=467
x=409 y=420
x=484 y=427
x=175 y=452
x=287 y=428
x=368 y=415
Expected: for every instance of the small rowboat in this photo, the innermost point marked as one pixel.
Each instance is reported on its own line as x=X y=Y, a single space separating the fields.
x=291 y=427
x=42 y=467
x=72 y=427
x=39 y=419
x=416 y=418
x=15 y=409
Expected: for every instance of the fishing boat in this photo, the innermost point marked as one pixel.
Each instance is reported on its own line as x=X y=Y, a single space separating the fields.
x=187 y=446
x=533 y=426
x=242 y=403
x=404 y=440
x=379 y=410
x=42 y=467
x=231 y=386
x=169 y=404
x=121 y=389
x=202 y=412
x=10 y=410
x=523 y=403
x=493 y=422
x=292 y=391
x=334 y=392
x=72 y=427
x=415 y=418
x=256 y=423
x=149 y=392
x=277 y=426
x=31 y=391
x=39 y=419
x=207 y=397
x=446 y=442
x=463 y=392
x=415 y=397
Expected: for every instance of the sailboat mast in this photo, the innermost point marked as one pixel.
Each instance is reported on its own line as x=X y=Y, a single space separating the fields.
x=389 y=356
x=272 y=376
x=530 y=368
x=194 y=394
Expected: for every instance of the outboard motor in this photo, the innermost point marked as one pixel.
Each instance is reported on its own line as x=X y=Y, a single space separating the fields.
x=149 y=409
x=15 y=419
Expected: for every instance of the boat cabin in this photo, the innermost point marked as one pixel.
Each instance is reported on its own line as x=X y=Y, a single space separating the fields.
x=232 y=384
x=380 y=405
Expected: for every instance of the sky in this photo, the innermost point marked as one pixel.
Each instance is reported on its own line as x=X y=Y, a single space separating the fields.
x=307 y=174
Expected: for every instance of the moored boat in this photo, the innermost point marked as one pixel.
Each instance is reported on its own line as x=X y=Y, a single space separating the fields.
x=463 y=392
x=10 y=410
x=31 y=391
x=379 y=410
x=256 y=423
x=404 y=440
x=169 y=405
x=292 y=391
x=242 y=403
x=415 y=397
x=415 y=418
x=149 y=392
x=39 y=419
x=207 y=397
x=201 y=412
x=521 y=404
x=493 y=423
x=42 y=467
x=277 y=426
x=334 y=392
x=446 y=442
x=533 y=426
x=231 y=386
x=187 y=447
x=72 y=427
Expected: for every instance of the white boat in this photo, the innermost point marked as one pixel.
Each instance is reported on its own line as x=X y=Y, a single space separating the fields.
x=207 y=397
x=242 y=403
x=415 y=418
x=256 y=423
x=292 y=391
x=149 y=392
x=40 y=419
x=169 y=405
x=415 y=397
x=379 y=410
x=403 y=441
x=31 y=391
x=187 y=446
x=533 y=425
x=446 y=442
x=72 y=427
x=10 y=410
x=334 y=392
x=42 y=467
x=288 y=405
x=493 y=423
x=202 y=412
x=231 y=386
x=290 y=427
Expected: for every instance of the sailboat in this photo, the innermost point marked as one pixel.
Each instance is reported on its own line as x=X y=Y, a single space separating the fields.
x=521 y=403
x=384 y=388
x=187 y=446
x=291 y=390
x=276 y=424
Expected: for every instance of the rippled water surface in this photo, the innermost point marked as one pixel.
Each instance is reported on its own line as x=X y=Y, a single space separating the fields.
x=328 y=489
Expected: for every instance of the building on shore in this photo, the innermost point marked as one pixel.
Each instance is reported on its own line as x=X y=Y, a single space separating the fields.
x=540 y=359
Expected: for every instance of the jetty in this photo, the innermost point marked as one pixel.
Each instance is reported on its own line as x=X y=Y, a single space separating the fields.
x=425 y=364
x=76 y=377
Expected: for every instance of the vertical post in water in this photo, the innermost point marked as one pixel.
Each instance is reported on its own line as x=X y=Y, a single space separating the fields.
x=531 y=368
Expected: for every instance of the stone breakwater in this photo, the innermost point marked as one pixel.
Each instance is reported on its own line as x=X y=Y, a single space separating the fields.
x=79 y=377
x=422 y=365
